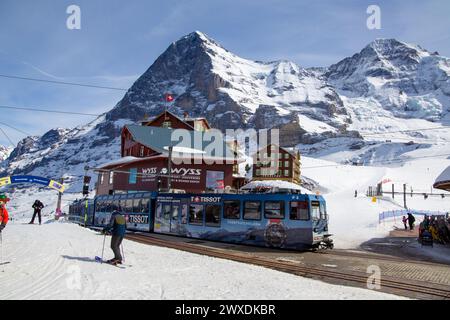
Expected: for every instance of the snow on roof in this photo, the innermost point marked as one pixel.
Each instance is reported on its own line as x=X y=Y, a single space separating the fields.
x=274 y=184
x=123 y=160
x=443 y=177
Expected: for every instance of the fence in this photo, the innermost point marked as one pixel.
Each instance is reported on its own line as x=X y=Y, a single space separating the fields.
x=400 y=213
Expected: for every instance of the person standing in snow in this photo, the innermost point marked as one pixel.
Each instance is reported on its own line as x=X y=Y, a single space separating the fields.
x=4 y=217
x=411 y=221
x=37 y=206
x=117 y=227
x=404 y=220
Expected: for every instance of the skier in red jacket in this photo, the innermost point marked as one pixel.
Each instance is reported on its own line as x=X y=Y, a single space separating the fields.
x=4 y=217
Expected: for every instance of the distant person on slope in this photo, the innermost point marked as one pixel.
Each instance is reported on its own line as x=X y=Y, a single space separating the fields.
x=404 y=220
x=37 y=206
x=117 y=226
x=4 y=217
x=411 y=221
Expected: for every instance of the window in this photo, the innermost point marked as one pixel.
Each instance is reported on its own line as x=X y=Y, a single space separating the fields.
x=274 y=209
x=323 y=211
x=137 y=205
x=145 y=205
x=184 y=209
x=214 y=180
x=315 y=210
x=132 y=178
x=128 y=205
x=174 y=214
x=231 y=209
x=101 y=178
x=258 y=172
x=252 y=210
x=111 y=177
x=196 y=214
x=286 y=173
x=98 y=206
x=286 y=155
x=299 y=210
x=167 y=208
x=286 y=164
x=212 y=215
x=141 y=151
x=167 y=124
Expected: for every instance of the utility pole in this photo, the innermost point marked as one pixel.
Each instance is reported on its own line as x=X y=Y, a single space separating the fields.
x=404 y=196
x=393 y=191
x=169 y=166
x=58 y=204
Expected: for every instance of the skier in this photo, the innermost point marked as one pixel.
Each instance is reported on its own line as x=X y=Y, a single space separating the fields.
x=404 y=220
x=4 y=217
x=117 y=227
x=411 y=220
x=37 y=206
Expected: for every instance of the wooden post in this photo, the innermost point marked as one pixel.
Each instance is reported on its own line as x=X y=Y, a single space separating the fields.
x=169 y=165
x=404 y=196
x=393 y=191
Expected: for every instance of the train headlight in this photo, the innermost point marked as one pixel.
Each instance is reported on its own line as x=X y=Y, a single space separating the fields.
x=315 y=229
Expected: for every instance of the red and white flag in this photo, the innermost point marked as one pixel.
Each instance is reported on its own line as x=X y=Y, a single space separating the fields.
x=169 y=97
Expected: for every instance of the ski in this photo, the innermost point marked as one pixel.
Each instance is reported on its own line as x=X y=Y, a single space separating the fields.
x=3 y=263
x=121 y=266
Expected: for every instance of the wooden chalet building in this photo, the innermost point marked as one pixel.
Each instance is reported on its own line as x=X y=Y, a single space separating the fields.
x=276 y=163
x=144 y=165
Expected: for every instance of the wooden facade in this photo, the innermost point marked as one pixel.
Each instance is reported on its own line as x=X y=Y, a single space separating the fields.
x=146 y=168
x=276 y=163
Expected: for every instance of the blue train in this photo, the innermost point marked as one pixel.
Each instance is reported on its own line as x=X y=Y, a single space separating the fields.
x=277 y=220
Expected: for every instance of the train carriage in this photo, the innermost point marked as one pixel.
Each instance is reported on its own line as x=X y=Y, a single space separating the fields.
x=278 y=220
x=291 y=221
x=135 y=206
x=82 y=212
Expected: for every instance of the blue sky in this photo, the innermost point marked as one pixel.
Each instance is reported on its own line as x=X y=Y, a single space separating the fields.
x=119 y=40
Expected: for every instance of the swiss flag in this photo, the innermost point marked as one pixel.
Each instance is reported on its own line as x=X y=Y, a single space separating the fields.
x=169 y=97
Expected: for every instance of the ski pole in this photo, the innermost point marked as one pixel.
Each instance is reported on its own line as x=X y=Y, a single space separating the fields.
x=103 y=248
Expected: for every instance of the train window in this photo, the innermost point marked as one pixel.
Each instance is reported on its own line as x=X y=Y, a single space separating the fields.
x=274 y=209
x=184 y=210
x=145 y=205
x=323 y=211
x=166 y=211
x=212 y=215
x=196 y=214
x=252 y=210
x=137 y=205
x=108 y=206
x=315 y=210
x=232 y=209
x=299 y=210
x=128 y=205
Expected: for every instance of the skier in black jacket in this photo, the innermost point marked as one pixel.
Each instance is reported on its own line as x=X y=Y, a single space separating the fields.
x=117 y=227
x=37 y=206
x=411 y=221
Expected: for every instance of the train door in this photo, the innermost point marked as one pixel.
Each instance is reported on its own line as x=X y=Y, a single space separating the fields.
x=167 y=216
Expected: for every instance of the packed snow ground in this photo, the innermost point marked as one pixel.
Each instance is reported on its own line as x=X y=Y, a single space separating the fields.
x=56 y=261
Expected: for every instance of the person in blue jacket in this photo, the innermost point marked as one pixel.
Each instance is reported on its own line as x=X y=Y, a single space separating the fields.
x=117 y=227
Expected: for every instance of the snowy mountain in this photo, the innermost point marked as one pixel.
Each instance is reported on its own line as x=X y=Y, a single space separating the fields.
x=402 y=78
x=389 y=85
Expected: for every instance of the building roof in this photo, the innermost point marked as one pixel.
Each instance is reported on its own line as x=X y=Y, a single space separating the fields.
x=271 y=184
x=291 y=151
x=443 y=179
x=159 y=139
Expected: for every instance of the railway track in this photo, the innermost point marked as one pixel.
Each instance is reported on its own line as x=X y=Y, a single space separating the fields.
x=398 y=286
